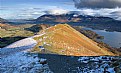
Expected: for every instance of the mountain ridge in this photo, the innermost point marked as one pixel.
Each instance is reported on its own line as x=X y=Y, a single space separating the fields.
x=64 y=40
x=70 y=17
x=102 y=23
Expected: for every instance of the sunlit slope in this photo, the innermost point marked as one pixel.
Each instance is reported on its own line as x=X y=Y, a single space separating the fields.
x=64 y=40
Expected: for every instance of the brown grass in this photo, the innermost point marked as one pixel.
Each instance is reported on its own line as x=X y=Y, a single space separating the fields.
x=65 y=40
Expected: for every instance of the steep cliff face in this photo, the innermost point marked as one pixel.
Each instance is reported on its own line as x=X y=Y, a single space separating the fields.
x=64 y=40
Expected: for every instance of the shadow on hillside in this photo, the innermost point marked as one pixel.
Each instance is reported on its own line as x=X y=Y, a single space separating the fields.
x=71 y=64
x=35 y=28
x=60 y=63
x=9 y=40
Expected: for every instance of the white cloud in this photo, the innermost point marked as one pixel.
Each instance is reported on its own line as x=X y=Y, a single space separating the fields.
x=106 y=12
x=28 y=13
x=34 y=12
x=56 y=11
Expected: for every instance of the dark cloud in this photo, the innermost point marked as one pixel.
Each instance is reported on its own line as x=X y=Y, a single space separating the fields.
x=97 y=3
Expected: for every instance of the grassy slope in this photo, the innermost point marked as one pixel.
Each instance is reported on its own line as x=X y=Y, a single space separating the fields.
x=13 y=33
x=64 y=40
x=7 y=30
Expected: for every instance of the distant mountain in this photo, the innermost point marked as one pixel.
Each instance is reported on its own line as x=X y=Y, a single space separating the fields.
x=64 y=40
x=20 y=21
x=73 y=18
x=100 y=22
x=2 y=20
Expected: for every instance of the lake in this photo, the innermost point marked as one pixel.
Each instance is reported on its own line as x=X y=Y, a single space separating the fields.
x=111 y=38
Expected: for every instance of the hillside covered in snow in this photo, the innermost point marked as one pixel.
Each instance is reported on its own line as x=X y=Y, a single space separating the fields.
x=15 y=58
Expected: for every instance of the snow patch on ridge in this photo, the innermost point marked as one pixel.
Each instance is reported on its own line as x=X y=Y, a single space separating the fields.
x=19 y=46
x=15 y=58
x=24 y=42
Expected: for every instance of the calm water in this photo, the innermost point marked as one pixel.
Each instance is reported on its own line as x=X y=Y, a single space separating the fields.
x=111 y=38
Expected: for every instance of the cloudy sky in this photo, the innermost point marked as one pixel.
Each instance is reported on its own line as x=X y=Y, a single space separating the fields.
x=22 y=9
